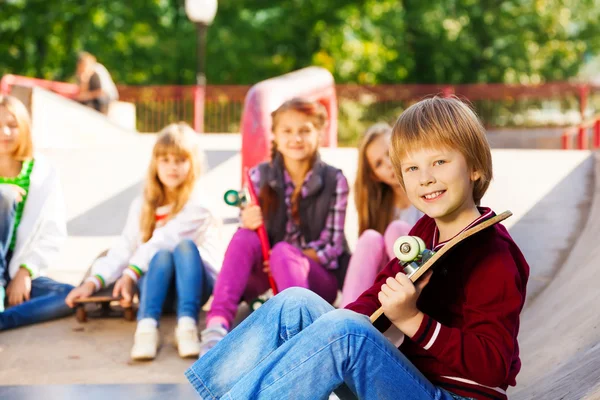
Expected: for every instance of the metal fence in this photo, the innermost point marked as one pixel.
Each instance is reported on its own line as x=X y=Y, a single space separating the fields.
x=498 y=105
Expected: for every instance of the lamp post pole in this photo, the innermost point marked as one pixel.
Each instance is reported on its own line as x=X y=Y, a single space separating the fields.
x=201 y=13
x=200 y=89
x=201 y=54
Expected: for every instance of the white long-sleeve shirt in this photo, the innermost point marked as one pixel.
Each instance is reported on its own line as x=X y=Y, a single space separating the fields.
x=194 y=221
x=43 y=227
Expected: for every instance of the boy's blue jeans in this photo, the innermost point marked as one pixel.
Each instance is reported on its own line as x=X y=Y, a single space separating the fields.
x=47 y=297
x=177 y=277
x=297 y=346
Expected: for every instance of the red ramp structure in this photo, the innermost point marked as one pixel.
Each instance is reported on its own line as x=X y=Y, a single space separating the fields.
x=312 y=83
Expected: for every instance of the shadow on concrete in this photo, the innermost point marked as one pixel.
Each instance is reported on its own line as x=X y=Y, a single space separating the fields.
x=548 y=232
x=108 y=218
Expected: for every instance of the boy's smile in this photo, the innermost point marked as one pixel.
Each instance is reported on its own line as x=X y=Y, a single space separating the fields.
x=440 y=183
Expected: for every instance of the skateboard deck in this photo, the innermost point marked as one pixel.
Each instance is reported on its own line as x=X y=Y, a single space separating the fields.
x=248 y=196
x=416 y=273
x=102 y=303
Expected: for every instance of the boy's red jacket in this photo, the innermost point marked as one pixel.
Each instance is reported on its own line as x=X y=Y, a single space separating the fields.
x=467 y=342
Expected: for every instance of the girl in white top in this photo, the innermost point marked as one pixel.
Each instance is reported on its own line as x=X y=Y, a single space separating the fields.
x=32 y=225
x=168 y=247
x=384 y=212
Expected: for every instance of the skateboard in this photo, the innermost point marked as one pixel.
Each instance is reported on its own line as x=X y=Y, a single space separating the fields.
x=102 y=303
x=240 y=198
x=416 y=259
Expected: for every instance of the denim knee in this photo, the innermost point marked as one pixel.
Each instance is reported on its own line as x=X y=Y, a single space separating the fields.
x=185 y=247
x=343 y=321
x=162 y=259
x=297 y=296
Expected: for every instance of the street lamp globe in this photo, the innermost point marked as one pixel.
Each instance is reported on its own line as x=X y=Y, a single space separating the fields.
x=201 y=11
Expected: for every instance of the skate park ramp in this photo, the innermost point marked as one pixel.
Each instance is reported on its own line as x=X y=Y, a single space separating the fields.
x=59 y=122
x=551 y=193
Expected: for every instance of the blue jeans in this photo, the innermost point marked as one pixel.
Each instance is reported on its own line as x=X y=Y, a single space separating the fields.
x=298 y=346
x=8 y=211
x=47 y=297
x=177 y=277
x=46 y=302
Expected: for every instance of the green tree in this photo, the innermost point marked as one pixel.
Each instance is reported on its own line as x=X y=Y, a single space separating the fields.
x=363 y=41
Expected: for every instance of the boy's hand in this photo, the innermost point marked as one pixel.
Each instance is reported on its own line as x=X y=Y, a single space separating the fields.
x=81 y=292
x=251 y=217
x=19 y=288
x=124 y=288
x=398 y=297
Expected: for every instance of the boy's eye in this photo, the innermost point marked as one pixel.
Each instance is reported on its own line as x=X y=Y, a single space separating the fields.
x=439 y=162
x=410 y=169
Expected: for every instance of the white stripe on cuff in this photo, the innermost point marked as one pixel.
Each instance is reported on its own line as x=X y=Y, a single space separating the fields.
x=438 y=326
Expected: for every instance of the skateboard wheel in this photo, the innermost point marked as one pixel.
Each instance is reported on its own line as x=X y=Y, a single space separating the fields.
x=422 y=246
x=129 y=314
x=81 y=314
x=232 y=197
x=256 y=304
x=406 y=248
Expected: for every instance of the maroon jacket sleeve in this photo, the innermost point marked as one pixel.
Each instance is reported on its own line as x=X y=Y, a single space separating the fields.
x=483 y=348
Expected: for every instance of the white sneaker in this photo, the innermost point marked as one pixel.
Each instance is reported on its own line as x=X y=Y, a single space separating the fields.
x=186 y=338
x=145 y=343
x=210 y=337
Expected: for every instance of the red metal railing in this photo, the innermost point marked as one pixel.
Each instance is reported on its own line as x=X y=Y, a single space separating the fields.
x=65 y=89
x=580 y=134
x=218 y=108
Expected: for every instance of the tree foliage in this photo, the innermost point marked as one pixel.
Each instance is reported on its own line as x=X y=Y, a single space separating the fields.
x=363 y=41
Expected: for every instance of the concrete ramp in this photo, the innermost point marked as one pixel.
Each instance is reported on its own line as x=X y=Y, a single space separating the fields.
x=550 y=193
x=62 y=123
x=560 y=335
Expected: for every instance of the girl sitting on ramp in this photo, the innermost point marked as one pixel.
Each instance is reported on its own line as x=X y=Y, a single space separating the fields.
x=168 y=249
x=384 y=212
x=303 y=205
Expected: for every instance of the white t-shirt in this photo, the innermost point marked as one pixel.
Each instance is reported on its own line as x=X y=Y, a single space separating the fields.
x=106 y=82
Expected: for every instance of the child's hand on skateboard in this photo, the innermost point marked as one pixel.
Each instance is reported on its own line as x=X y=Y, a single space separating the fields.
x=251 y=217
x=80 y=292
x=124 y=288
x=19 y=288
x=398 y=298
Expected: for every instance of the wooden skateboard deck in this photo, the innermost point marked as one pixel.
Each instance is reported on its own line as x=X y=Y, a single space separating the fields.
x=446 y=248
x=102 y=303
x=105 y=306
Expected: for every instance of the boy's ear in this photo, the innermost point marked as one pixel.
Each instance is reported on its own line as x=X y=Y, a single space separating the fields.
x=475 y=176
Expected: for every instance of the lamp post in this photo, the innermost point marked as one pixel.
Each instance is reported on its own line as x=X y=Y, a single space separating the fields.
x=202 y=13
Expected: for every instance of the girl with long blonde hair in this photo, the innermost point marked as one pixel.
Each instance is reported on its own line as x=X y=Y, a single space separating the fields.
x=168 y=247
x=32 y=224
x=384 y=212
